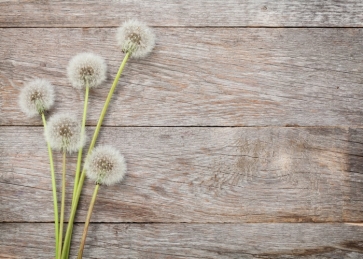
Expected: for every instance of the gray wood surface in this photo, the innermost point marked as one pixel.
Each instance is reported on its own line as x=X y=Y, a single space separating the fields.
x=198 y=76
x=266 y=174
x=327 y=13
x=242 y=130
x=222 y=241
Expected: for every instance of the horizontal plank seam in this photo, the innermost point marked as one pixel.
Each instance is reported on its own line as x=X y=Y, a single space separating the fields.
x=185 y=222
x=192 y=27
x=206 y=126
x=196 y=27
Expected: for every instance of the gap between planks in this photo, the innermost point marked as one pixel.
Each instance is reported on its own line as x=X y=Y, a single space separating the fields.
x=184 y=222
x=204 y=126
x=189 y=27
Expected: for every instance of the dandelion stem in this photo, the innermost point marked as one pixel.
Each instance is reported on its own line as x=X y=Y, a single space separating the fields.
x=62 y=204
x=79 y=160
x=54 y=190
x=107 y=102
x=80 y=151
x=86 y=224
x=67 y=240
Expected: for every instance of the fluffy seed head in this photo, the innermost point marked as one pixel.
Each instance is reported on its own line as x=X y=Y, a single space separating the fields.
x=86 y=67
x=135 y=37
x=63 y=133
x=105 y=165
x=36 y=97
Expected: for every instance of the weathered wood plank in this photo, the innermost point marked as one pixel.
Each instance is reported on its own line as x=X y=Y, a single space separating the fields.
x=266 y=174
x=222 y=241
x=203 y=76
x=329 y=13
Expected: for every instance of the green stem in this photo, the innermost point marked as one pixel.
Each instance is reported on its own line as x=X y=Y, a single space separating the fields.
x=108 y=99
x=80 y=151
x=79 y=160
x=62 y=204
x=67 y=240
x=54 y=190
x=86 y=224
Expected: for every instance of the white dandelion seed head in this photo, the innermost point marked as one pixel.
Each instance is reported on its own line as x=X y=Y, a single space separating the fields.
x=105 y=165
x=63 y=133
x=36 y=97
x=135 y=37
x=86 y=67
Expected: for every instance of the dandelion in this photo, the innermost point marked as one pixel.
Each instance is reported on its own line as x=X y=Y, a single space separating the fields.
x=105 y=166
x=135 y=37
x=64 y=133
x=136 y=40
x=36 y=97
x=86 y=69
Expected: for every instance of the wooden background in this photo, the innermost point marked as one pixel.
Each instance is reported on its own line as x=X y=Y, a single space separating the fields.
x=243 y=129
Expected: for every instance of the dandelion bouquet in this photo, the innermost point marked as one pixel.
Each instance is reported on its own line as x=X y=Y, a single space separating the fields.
x=65 y=133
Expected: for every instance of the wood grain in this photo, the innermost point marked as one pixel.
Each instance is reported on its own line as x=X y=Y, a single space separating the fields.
x=260 y=108
x=329 y=13
x=222 y=241
x=265 y=174
x=198 y=76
